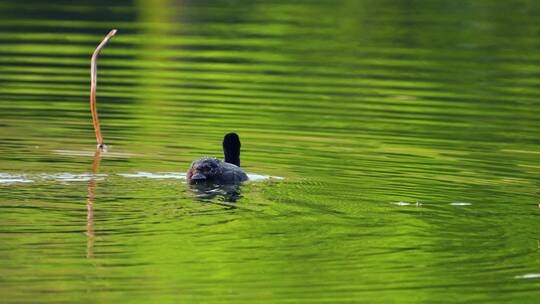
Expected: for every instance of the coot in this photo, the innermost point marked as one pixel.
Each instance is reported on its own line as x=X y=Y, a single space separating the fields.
x=213 y=170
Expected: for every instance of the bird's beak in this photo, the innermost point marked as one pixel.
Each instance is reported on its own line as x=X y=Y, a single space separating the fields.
x=198 y=177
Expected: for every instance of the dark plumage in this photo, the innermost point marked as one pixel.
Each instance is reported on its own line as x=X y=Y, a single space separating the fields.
x=231 y=149
x=209 y=169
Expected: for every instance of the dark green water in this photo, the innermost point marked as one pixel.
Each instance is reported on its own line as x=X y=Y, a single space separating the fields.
x=362 y=107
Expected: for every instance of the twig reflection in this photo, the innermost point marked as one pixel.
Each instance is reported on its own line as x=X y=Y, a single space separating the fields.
x=90 y=205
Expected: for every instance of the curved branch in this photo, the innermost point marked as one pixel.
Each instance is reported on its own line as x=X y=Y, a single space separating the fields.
x=93 y=85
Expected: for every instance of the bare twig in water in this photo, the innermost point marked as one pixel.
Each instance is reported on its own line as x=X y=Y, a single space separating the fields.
x=93 y=85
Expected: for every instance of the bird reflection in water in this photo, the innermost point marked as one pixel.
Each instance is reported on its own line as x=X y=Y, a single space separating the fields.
x=209 y=192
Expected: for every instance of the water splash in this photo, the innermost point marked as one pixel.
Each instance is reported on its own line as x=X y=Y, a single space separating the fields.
x=6 y=178
x=259 y=177
x=72 y=177
x=160 y=175
x=529 y=276
x=400 y=203
x=13 y=179
x=459 y=204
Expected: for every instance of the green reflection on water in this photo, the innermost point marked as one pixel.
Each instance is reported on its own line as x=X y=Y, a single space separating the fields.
x=357 y=104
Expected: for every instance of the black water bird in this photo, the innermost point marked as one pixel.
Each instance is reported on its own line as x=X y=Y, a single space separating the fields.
x=213 y=170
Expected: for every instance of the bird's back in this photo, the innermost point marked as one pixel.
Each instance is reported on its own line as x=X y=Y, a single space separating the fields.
x=232 y=173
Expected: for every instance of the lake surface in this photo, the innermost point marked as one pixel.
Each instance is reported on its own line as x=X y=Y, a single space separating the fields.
x=393 y=145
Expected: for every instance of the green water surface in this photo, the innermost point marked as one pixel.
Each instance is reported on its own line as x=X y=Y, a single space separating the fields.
x=358 y=109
